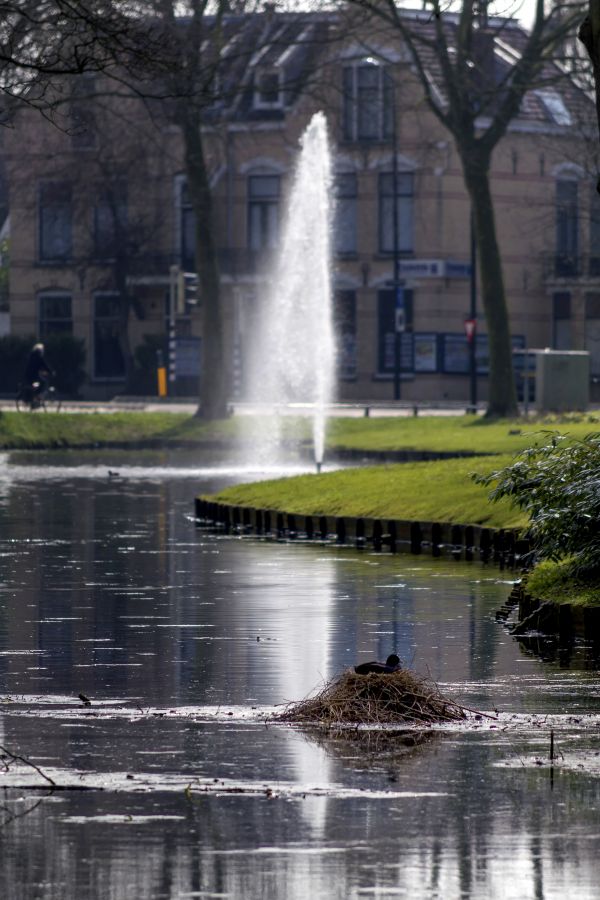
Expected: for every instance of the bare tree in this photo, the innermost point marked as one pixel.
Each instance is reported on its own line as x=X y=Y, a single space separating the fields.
x=452 y=58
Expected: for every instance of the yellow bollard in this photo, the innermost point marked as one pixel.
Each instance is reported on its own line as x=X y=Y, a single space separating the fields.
x=161 y=373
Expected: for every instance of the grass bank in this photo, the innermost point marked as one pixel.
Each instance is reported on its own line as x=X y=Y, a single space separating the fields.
x=554 y=582
x=454 y=433
x=41 y=430
x=439 y=491
x=427 y=433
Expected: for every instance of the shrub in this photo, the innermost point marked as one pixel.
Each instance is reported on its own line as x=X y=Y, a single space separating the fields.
x=14 y=350
x=558 y=485
x=143 y=378
x=65 y=353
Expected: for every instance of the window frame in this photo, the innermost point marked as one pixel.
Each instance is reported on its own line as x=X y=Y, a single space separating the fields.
x=358 y=102
x=107 y=249
x=46 y=254
x=47 y=324
x=405 y=200
x=265 y=72
x=264 y=209
x=567 y=236
x=346 y=212
x=96 y=377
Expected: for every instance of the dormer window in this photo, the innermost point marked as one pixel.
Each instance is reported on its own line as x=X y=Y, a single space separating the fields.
x=554 y=106
x=267 y=89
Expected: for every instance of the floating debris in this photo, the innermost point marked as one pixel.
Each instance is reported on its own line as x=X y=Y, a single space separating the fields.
x=376 y=699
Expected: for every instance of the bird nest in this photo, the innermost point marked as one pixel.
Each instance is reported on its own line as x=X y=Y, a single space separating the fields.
x=401 y=697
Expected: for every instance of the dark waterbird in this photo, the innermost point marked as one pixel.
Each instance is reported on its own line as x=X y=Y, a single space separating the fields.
x=392 y=664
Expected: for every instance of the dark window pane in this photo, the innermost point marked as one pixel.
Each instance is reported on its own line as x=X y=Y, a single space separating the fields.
x=55 y=220
x=263 y=211
x=405 y=212
x=110 y=220
x=345 y=328
x=567 y=228
x=108 y=358
x=345 y=213
x=561 y=303
x=55 y=314
x=367 y=102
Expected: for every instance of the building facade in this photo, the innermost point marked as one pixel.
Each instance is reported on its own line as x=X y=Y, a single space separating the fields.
x=100 y=211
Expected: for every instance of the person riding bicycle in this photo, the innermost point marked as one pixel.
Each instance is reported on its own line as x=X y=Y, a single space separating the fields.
x=37 y=371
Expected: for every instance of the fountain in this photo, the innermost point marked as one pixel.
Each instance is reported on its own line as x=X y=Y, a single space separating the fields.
x=293 y=347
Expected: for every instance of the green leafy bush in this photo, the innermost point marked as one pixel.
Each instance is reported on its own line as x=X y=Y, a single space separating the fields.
x=14 y=350
x=66 y=354
x=143 y=378
x=558 y=485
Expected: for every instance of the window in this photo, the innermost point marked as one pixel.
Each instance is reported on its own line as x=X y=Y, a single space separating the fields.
x=592 y=331
x=263 y=211
x=567 y=227
x=455 y=353
x=386 y=333
x=110 y=220
x=55 y=221
x=187 y=231
x=554 y=106
x=425 y=352
x=405 y=211
x=109 y=364
x=367 y=102
x=345 y=329
x=345 y=213
x=55 y=315
x=83 y=119
x=267 y=89
x=561 y=320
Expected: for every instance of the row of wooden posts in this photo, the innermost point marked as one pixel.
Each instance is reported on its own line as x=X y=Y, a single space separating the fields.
x=503 y=546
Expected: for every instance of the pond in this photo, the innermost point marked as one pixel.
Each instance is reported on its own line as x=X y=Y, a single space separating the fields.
x=165 y=780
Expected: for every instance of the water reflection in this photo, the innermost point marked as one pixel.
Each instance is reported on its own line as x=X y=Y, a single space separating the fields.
x=108 y=589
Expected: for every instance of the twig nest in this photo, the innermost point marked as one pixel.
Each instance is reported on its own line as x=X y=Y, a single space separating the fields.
x=376 y=699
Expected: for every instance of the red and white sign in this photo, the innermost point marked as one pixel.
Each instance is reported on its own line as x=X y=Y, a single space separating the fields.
x=470 y=328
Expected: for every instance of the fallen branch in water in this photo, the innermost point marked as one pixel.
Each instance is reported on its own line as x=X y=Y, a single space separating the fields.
x=14 y=757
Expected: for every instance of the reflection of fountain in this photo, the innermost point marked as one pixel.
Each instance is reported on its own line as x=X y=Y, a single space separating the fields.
x=293 y=350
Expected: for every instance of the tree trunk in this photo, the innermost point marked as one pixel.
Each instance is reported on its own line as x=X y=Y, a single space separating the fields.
x=502 y=400
x=214 y=374
x=589 y=35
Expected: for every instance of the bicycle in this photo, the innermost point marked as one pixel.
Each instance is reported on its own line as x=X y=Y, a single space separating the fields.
x=39 y=395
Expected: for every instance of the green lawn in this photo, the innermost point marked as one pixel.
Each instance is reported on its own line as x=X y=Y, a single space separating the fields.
x=429 y=491
x=431 y=433
x=453 y=433
x=48 y=430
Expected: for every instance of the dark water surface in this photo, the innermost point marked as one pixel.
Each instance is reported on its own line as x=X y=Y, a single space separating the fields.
x=184 y=639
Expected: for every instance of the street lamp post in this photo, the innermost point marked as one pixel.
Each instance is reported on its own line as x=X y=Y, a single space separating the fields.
x=399 y=311
x=471 y=323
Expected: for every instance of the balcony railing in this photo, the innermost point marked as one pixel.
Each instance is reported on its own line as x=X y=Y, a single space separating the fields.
x=571 y=267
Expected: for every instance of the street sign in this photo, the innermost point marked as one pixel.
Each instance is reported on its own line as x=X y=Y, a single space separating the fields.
x=470 y=328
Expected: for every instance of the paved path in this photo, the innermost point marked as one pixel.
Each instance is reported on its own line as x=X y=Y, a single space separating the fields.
x=371 y=409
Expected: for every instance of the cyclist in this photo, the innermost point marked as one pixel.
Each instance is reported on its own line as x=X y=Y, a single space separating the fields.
x=37 y=372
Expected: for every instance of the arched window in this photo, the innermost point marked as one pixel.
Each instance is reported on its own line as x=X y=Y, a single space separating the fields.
x=567 y=225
